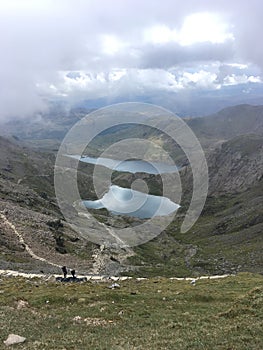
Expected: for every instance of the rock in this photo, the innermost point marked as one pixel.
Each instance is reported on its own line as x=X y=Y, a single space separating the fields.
x=81 y=300
x=21 y=304
x=55 y=224
x=14 y=339
x=37 y=343
x=114 y=286
x=77 y=319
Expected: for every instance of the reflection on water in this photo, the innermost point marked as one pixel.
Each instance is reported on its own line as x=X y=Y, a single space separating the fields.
x=125 y=201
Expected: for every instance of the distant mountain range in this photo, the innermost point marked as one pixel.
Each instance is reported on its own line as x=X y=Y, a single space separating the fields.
x=195 y=102
x=225 y=124
x=229 y=122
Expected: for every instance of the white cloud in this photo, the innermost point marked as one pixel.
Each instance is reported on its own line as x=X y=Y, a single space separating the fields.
x=111 y=44
x=119 y=47
x=196 y=28
x=86 y=85
x=238 y=65
x=79 y=85
x=234 y=79
x=204 y=27
x=160 y=34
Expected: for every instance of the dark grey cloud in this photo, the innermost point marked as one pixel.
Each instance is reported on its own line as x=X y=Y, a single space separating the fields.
x=170 y=55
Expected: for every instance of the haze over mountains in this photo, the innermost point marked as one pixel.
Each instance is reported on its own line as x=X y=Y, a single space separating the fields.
x=227 y=123
x=226 y=238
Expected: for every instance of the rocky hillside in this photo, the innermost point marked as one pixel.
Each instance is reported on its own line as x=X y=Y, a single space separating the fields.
x=228 y=235
x=21 y=165
x=236 y=165
x=229 y=122
x=29 y=204
x=226 y=238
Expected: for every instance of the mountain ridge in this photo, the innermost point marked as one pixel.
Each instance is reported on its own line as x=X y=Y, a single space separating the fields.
x=231 y=222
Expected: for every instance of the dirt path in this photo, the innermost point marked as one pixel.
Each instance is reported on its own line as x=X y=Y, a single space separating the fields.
x=89 y=277
x=101 y=278
x=22 y=241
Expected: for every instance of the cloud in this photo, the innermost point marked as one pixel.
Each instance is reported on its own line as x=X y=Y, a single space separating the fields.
x=241 y=79
x=170 y=55
x=197 y=28
x=120 y=47
x=83 y=85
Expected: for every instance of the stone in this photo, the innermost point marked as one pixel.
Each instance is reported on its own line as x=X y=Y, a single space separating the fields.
x=22 y=304
x=77 y=319
x=14 y=339
x=114 y=286
x=81 y=300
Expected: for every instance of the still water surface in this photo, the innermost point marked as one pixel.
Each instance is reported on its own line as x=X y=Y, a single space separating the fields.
x=125 y=201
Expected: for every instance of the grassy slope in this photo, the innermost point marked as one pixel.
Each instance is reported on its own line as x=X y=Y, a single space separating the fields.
x=151 y=314
x=227 y=237
x=21 y=165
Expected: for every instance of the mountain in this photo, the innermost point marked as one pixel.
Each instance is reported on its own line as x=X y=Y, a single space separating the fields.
x=28 y=202
x=21 y=165
x=227 y=237
x=237 y=165
x=229 y=122
x=44 y=131
x=28 y=206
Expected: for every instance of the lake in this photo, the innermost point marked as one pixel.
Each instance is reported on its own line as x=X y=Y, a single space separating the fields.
x=125 y=201
x=130 y=166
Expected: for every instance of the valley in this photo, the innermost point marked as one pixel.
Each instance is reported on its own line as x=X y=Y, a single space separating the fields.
x=227 y=238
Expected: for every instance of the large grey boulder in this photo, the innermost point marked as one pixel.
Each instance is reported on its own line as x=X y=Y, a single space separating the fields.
x=14 y=339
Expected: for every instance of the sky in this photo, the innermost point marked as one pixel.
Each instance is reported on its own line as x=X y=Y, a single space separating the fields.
x=183 y=55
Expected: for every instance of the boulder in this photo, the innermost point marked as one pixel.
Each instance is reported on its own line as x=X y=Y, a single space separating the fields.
x=14 y=339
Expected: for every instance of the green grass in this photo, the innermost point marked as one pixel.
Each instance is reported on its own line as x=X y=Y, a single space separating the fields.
x=151 y=314
x=227 y=237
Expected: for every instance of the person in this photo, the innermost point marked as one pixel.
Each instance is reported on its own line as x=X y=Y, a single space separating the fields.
x=64 y=270
x=73 y=272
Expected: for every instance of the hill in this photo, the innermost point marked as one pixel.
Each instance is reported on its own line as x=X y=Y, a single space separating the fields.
x=47 y=131
x=28 y=202
x=227 y=237
x=229 y=123
x=152 y=314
